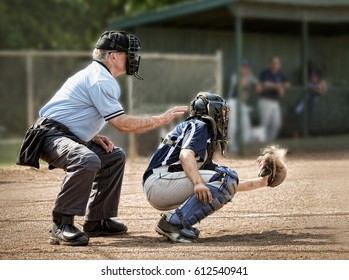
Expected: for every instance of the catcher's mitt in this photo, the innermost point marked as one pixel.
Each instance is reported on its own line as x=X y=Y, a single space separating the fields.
x=271 y=161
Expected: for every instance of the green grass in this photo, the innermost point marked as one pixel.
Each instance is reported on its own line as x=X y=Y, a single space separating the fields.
x=8 y=153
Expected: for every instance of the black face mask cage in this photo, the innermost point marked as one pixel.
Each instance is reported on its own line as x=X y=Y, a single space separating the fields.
x=133 y=59
x=218 y=110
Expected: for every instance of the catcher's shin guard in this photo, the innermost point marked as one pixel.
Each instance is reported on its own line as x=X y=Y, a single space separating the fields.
x=192 y=211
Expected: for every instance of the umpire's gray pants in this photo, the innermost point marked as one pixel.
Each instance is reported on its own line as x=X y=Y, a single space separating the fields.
x=93 y=180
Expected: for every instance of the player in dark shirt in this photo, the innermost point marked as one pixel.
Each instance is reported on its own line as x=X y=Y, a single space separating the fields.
x=274 y=84
x=182 y=175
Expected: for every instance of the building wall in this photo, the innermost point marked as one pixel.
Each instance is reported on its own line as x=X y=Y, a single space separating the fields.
x=257 y=47
x=331 y=53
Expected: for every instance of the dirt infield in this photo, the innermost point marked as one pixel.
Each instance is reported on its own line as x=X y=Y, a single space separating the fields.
x=305 y=218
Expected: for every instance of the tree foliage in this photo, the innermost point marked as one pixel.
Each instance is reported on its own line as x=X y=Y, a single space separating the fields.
x=63 y=24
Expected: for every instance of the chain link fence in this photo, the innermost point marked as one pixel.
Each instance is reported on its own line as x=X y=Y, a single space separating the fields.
x=30 y=78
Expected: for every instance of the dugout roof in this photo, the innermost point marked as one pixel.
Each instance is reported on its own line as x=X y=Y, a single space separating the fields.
x=299 y=30
x=325 y=17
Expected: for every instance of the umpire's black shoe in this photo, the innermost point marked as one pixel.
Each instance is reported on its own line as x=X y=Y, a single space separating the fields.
x=104 y=227
x=173 y=232
x=65 y=233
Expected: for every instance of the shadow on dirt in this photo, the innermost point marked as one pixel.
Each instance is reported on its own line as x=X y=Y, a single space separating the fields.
x=5 y=182
x=266 y=238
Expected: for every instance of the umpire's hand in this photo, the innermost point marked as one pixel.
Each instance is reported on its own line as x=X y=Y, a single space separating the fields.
x=104 y=142
x=171 y=114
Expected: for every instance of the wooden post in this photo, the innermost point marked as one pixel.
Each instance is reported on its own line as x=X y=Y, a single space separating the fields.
x=238 y=55
x=219 y=72
x=132 y=145
x=30 y=89
x=305 y=45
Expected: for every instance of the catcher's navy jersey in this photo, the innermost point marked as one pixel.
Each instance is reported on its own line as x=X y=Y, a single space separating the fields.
x=192 y=134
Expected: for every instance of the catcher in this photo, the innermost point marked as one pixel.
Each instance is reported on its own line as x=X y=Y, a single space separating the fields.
x=182 y=175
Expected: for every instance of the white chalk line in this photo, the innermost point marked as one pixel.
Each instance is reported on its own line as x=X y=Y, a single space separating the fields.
x=293 y=214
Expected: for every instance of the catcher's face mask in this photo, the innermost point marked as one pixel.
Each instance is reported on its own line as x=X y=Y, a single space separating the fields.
x=214 y=106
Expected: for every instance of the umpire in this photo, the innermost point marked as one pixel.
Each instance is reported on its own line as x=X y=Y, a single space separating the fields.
x=66 y=136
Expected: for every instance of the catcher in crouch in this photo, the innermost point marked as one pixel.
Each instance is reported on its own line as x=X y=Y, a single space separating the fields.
x=182 y=176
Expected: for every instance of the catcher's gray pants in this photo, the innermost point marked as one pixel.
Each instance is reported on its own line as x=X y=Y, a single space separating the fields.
x=270 y=116
x=168 y=190
x=93 y=179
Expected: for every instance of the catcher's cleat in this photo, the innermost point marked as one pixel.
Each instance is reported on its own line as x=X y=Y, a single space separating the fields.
x=66 y=233
x=173 y=233
x=104 y=227
x=196 y=231
x=191 y=232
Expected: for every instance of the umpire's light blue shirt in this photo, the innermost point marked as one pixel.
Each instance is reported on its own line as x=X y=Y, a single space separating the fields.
x=86 y=101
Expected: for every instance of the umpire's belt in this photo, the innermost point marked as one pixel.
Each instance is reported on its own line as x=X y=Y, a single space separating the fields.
x=52 y=124
x=31 y=146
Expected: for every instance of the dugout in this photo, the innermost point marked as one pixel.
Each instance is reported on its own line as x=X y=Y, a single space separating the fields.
x=301 y=32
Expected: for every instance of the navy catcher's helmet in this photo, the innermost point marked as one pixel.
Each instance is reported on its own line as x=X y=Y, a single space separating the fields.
x=211 y=106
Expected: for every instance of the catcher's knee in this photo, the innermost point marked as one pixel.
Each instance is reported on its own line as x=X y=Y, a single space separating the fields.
x=223 y=187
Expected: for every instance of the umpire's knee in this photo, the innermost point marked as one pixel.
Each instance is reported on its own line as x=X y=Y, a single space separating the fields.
x=91 y=162
x=119 y=156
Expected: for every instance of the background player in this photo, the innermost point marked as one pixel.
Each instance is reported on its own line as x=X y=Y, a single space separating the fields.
x=181 y=174
x=274 y=85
